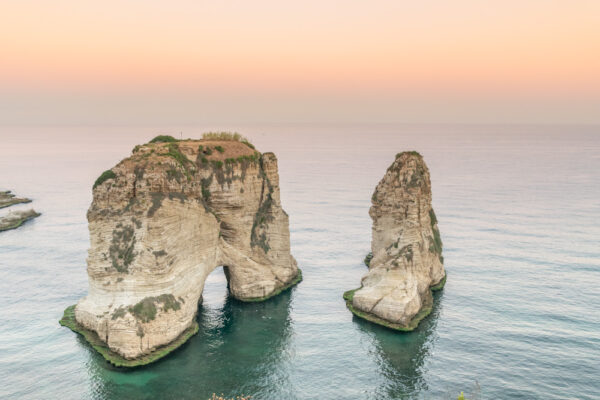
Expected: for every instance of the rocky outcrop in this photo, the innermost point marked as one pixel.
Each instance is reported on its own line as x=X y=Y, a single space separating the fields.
x=406 y=262
x=8 y=199
x=161 y=221
x=15 y=219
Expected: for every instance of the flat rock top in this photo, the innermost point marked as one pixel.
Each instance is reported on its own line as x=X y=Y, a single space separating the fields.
x=212 y=150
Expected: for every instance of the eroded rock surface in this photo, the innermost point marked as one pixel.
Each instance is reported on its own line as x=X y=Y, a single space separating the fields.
x=406 y=248
x=7 y=199
x=162 y=220
x=15 y=219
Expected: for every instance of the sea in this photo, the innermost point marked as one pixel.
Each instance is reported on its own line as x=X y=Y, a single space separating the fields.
x=519 y=318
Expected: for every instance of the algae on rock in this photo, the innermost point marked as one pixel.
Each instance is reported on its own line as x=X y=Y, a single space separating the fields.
x=160 y=222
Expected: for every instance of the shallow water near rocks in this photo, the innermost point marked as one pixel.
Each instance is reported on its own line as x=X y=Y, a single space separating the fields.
x=518 y=210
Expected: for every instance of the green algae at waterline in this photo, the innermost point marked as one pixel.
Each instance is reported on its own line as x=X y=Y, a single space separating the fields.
x=68 y=320
x=414 y=322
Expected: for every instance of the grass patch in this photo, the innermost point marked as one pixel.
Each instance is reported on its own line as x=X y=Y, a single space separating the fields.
x=368 y=259
x=233 y=136
x=121 y=247
x=157 y=199
x=440 y=285
x=177 y=155
x=220 y=149
x=106 y=175
x=435 y=242
x=229 y=136
x=205 y=183
x=146 y=310
x=294 y=282
x=262 y=217
x=68 y=320
x=164 y=139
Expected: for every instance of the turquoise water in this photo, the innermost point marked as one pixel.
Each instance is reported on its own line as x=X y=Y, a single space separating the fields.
x=518 y=210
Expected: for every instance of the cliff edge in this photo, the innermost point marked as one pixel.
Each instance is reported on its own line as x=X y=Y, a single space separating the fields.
x=406 y=261
x=160 y=221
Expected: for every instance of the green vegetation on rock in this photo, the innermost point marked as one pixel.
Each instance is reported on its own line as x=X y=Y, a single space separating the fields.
x=435 y=242
x=156 y=199
x=368 y=259
x=146 y=310
x=261 y=218
x=234 y=136
x=108 y=174
x=425 y=311
x=121 y=247
x=163 y=139
x=440 y=285
x=205 y=183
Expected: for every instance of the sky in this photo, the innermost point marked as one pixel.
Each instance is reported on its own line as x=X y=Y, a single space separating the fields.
x=192 y=61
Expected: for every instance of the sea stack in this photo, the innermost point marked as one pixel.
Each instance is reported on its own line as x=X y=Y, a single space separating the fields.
x=160 y=221
x=405 y=263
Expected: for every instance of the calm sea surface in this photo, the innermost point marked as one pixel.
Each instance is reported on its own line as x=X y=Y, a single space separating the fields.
x=519 y=214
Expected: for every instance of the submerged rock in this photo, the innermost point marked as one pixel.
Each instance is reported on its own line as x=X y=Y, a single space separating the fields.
x=161 y=221
x=405 y=263
x=15 y=219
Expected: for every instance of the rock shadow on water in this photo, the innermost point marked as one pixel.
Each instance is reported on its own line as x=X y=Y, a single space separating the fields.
x=401 y=357
x=240 y=348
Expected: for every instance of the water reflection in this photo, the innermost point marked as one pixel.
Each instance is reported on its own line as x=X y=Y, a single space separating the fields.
x=241 y=348
x=401 y=356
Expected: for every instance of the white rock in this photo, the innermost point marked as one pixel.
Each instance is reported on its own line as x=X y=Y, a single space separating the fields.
x=406 y=245
x=158 y=229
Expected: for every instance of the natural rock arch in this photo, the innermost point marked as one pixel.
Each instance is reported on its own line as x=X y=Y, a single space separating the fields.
x=160 y=222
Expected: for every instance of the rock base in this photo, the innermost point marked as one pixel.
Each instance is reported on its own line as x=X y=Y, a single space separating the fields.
x=68 y=320
x=414 y=322
x=16 y=219
x=115 y=359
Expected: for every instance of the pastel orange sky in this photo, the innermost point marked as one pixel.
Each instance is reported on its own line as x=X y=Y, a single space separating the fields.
x=533 y=54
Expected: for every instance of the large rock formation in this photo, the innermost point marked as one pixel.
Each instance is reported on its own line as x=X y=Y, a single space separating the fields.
x=406 y=262
x=161 y=221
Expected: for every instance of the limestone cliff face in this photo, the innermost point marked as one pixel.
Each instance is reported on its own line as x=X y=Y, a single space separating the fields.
x=406 y=246
x=162 y=220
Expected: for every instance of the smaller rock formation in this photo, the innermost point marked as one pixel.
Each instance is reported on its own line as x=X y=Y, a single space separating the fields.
x=15 y=219
x=406 y=261
x=7 y=199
